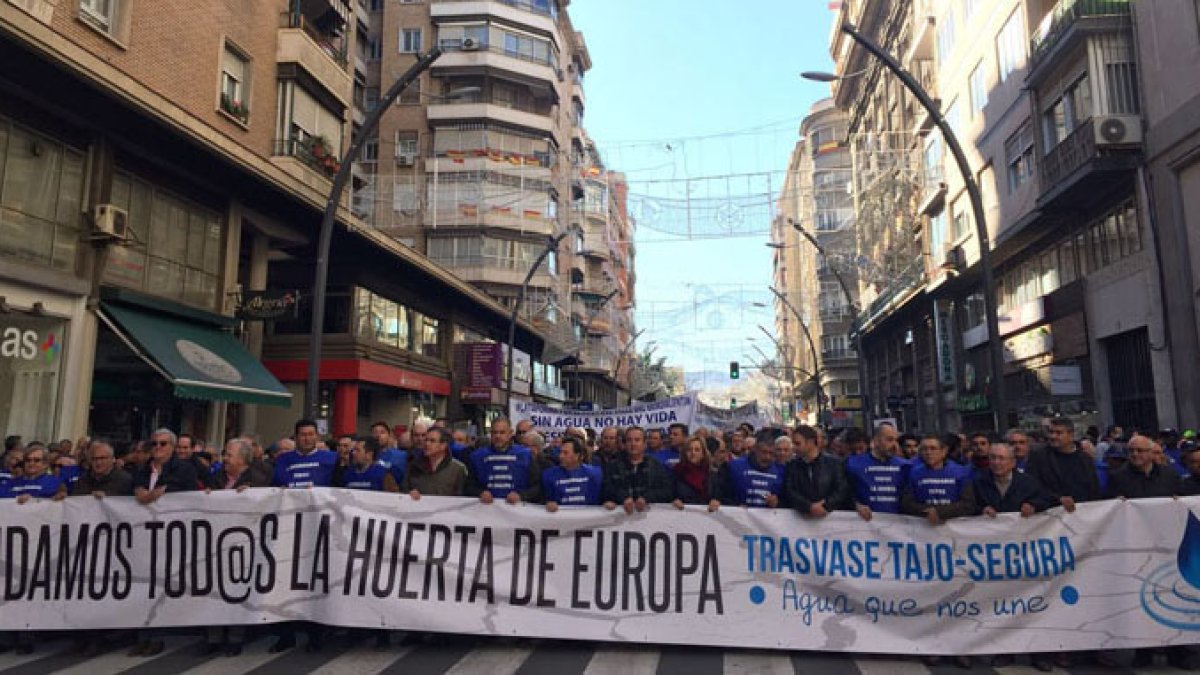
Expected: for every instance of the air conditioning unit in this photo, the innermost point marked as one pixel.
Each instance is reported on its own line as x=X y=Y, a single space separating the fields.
x=1118 y=130
x=110 y=222
x=406 y=160
x=470 y=44
x=953 y=261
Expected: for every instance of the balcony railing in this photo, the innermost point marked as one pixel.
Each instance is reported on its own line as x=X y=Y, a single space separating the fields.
x=316 y=155
x=450 y=46
x=1064 y=14
x=835 y=354
x=330 y=43
x=1070 y=154
x=543 y=7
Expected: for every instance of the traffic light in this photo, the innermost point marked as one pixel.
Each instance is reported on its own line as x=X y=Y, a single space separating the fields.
x=734 y=371
x=732 y=403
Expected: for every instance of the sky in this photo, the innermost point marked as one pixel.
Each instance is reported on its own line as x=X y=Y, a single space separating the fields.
x=699 y=102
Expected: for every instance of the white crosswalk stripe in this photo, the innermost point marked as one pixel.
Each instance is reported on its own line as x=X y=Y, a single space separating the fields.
x=254 y=656
x=491 y=661
x=742 y=662
x=623 y=660
x=362 y=661
x=118 y=661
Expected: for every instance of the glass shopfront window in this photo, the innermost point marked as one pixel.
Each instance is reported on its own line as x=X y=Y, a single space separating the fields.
x=41 y=197
x=175 y=247
x=31 y=357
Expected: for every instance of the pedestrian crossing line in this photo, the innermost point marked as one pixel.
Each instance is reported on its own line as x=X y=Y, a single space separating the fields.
x=891 y=666
x=491 y=661
x=118 y=661
x=622 y=660
x=743 y=662
x=431 y=658
x=363 y=660
x=13 y=662
x=253 y=656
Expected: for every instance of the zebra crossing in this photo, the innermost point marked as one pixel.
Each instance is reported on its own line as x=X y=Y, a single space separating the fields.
x=479 y=656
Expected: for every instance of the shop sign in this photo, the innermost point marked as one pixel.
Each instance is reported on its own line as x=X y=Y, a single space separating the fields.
x=32 y=339
x=268 y=305
x=973 y=403
x=1066 y=381
x=847 y=402
x=945 y=344
x=1029 y=344
x=484 y=365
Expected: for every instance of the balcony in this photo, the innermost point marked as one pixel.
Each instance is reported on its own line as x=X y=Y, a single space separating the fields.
x=321 y=54
x=530 y=167
x=474 y=216
x=310 y=160
x=596 y=245
x=1070 y=20
x=924 y=32
x=540 y=14
x=526 y=119
x=829 y=355
x=477 y=269
x=933 y=192
x=522 y=67
x=1079 y=169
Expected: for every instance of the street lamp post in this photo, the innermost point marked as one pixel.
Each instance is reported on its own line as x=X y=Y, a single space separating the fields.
x=785 y=354
x=855 y=335
x=812 y=346
x=325 y=238
x=995 y=346
x=551 y=245
x=579 y=352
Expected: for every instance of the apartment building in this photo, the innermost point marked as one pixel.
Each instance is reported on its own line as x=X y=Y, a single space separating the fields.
x=159 y=163
x=817 y=264
x=485 y=158
x=1047 y=106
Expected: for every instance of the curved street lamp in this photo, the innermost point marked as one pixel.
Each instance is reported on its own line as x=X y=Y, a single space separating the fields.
x=812 y=346
x=995 y=345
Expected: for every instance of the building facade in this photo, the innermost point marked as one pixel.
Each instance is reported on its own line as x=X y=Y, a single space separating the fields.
x=485 y=158
x=163 y=162
x=1048 y=108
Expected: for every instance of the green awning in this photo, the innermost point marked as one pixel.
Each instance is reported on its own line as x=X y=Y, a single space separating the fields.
x=201 y=360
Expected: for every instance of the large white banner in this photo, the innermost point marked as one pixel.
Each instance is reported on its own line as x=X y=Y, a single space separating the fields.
x=1110 y=575
x=554 y=422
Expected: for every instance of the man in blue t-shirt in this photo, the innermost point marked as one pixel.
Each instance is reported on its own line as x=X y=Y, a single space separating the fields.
x=754 y=479
x=504 y=469
x=37 y=481
x=937 y=488
x=878 y=475
x=363 y=471
x=571 y=483
x=306 y=466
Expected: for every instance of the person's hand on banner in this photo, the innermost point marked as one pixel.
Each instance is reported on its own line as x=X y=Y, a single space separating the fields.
x=485 y=497
x=415 y=495
x=147 y=497
x=713 y=505
x=552 y=506
x=864 y=511
x=991 y=512
x=610 y=505
x=1027 y=510
x=932 y=516
x=22 y=499
x=678 y=503
x=628 y=505
x=513 y=498
x=641 y=504
x=818 y=509
x=772 y=501
x=1068 y=503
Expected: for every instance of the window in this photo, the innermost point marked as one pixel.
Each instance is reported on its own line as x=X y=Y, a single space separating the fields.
x=978 y=86
x=177 y=245
x=370 y=150
x=1123 y=93
x=428 y=337
x=370 y=98
x=410 y=40
x=376 y=5
x=945 y=37
x=937 y=236
x=235 y=83
x=952 y=119
x=374 y=49
x=41 y=195
x=382 y=320
x=404 y=195
x=406 y=146
x=1010 y=45
x=960 y=224
x=1018 y=152
x=100 y=14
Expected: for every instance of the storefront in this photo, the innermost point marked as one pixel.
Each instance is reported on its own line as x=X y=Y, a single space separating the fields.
x=159 y=364
x=32 y=356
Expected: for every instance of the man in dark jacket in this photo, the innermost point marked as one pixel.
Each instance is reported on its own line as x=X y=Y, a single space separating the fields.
x=1142 y=478
x=103 y=478
x=636 y=480
x=815 y=483
x=1006 y=490
x=1068 y=473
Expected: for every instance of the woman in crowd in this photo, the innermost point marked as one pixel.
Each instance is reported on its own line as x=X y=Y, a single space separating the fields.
x=694 y=476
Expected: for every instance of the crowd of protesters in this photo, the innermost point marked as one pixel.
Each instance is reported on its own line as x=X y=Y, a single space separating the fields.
x=931 y=476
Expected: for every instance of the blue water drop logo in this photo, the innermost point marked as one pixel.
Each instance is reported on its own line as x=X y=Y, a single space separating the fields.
x=1171 y=593
x=1189 y=552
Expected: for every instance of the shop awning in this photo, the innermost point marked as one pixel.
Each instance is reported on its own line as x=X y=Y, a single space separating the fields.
x=201 y=360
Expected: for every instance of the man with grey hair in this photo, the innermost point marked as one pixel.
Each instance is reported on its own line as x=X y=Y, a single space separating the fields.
x=1003 y=489
x=103 y=478
x=1018 y=440
x=784 y=450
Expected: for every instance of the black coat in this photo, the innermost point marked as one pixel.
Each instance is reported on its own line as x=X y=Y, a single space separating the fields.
x=1024 y=489
x=687 y=494
x=176 y=476
x=824 y=478
x=1128 y=482
x=648 y=479
x=1065 y=474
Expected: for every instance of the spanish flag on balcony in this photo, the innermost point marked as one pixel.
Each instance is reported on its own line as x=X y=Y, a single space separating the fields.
x=455 y=154
x=531 y=161
x=495 y=155
x=469 y=210
x=502 y=209
x=828 y=146
x=479 y=152
x=593 y=171
x=532 y=213
x=514 y=159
